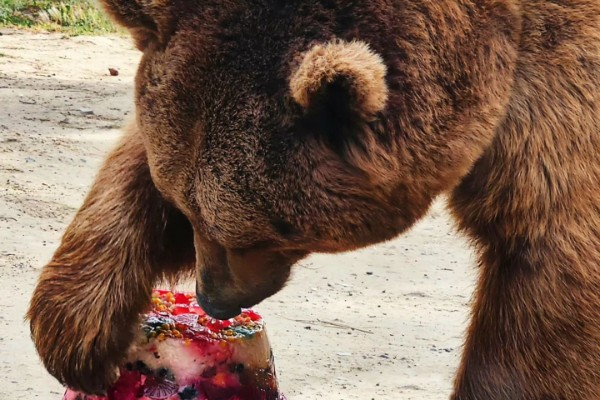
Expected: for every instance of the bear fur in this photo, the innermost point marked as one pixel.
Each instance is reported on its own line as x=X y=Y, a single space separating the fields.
x=267 y=130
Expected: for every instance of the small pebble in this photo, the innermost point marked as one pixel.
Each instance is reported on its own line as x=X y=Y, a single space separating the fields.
x=86 y=111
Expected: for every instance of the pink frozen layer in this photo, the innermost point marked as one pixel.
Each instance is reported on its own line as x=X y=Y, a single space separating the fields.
x=183 y=354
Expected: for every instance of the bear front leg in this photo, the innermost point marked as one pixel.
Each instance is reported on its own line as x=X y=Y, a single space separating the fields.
x=535 y=331
x=535 y=328
x=123 y=239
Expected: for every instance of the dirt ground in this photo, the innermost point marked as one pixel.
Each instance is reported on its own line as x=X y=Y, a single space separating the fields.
x=382 y=323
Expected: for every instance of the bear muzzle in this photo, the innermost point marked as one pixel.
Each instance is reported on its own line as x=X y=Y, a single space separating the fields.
x=228 y=280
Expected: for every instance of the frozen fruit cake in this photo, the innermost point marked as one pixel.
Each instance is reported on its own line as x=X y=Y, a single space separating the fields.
x=183 y=354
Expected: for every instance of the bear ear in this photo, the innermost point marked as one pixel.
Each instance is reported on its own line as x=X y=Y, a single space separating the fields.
x=149 y=21
x=339 y=71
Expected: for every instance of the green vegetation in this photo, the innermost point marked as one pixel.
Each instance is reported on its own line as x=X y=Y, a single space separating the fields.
x=69 y=16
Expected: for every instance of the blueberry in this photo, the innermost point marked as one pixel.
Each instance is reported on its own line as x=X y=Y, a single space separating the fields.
x=236 y=368
x=142 y=368
x=209 y=373
x=164 y=373
x=189 y=393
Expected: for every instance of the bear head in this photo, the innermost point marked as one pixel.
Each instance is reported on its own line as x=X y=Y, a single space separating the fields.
x=282 y=128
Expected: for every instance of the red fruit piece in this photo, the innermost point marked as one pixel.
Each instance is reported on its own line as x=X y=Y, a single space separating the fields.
x=180 y=327
x=252 y=315
x=126 y=387
x=213 y=325
x=178 y=310
x=225 y=324
x=181 y=298
x=216 y=325
x=198 y=311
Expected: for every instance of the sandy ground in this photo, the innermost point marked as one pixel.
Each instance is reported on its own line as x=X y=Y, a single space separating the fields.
x=383 y=323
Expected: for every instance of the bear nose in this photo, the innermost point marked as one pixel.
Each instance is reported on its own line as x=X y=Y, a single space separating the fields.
x=216 y=309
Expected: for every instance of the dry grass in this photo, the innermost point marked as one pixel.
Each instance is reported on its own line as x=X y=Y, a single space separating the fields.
x=69 y=16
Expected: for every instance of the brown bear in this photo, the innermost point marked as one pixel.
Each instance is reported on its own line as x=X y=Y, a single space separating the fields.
x=267 y=129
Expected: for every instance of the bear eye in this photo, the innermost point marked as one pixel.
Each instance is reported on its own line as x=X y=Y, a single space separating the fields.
x=283 y=228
